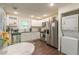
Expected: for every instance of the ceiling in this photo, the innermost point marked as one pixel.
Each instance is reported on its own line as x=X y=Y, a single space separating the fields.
x=35 y=9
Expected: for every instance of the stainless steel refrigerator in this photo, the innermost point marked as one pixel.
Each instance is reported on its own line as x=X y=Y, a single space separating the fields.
x=52 y=36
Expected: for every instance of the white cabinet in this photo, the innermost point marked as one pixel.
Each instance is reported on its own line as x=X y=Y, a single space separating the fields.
x=69 y=45
x=12 y=20
x=29 y=36
x=69 y=41
x=2 y=20
x=70 y=22
x=1 y=24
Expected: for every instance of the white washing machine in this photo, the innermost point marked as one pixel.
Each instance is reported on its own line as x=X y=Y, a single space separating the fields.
x=69 y=45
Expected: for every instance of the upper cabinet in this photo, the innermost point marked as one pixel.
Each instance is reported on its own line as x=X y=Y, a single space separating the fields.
x=70 y=22
x=2 y=20
x=12 y=20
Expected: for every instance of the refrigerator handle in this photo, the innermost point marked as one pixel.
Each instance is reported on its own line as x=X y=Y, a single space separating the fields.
x=62 y=34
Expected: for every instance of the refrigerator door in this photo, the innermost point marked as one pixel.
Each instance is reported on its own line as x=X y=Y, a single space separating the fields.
x=54 y=34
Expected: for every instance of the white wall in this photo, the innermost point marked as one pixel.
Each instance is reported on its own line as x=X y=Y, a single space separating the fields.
x=36 y=22
x=31 y=22
x=61 y=10
x=39 y=22
x=11 y=21
x=46 y=19
x=19 y=19
x=2 y=20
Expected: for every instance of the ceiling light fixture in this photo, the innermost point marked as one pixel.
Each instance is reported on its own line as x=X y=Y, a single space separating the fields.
x=15 y=12
x=32 y=16
x=45 y=15
x=51 y=4
x=39 y=17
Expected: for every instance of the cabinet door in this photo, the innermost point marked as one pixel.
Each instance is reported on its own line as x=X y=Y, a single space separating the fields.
x=70 y=22
x=2 y=20
x=1 y=23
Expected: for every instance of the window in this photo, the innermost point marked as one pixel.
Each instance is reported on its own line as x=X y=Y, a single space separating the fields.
x=23 y=24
